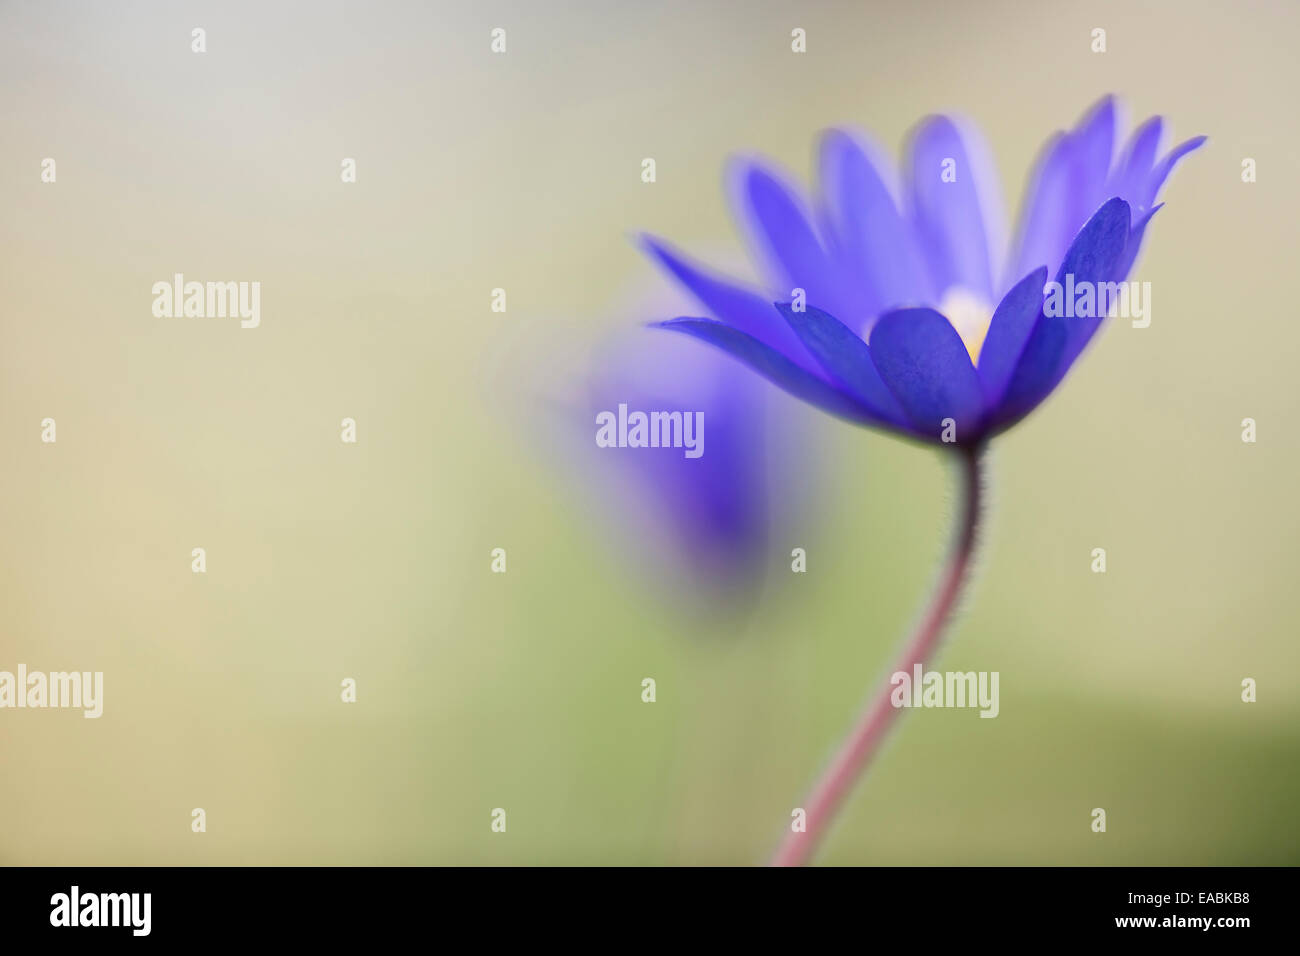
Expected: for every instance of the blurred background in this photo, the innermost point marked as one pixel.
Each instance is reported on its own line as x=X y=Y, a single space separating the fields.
x=522 y=690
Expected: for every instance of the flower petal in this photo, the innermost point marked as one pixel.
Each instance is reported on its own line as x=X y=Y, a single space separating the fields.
x=925 y=364
x=1094 y=145
x=1131 y=173
x=1135 y=234
x=1009 y=330
x=846 y=358
x=949 y=216
x=733 y=304
x=1035 y=374
x=1045 y=217
x=1150 y=189
x=868 y=235
x=1095 y=256
x=1158 y=175
x=781 y=236
x=1068 y=184
x=775 y=367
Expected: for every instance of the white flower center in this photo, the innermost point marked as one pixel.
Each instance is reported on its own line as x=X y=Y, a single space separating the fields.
x=970 y=315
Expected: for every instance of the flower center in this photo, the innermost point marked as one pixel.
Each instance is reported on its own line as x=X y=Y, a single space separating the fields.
x=970 y=315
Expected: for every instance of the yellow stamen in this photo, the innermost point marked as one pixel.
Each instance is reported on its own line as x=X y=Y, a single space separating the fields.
x=970 y=316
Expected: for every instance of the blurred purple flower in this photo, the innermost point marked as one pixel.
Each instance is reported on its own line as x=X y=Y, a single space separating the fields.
x=706 y=520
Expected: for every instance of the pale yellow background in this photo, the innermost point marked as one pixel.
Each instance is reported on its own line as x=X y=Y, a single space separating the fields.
x=521 y=691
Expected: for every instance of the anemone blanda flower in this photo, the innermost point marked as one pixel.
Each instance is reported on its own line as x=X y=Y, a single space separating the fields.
x=914 y=322
x=696 y=527
x=903 y=314
x=703 y=523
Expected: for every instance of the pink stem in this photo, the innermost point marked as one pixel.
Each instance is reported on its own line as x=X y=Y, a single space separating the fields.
x=862 y=744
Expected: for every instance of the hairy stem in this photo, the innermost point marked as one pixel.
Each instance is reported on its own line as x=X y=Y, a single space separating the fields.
x=856 y=752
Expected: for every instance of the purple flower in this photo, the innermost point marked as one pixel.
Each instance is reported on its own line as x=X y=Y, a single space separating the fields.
x=906 y=315
x=696 y=520
x=704 y=518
